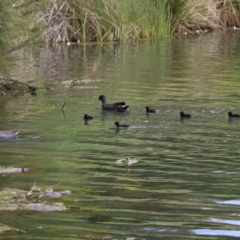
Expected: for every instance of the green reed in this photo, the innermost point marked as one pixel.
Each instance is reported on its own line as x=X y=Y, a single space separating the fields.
x=114 y=20
x=109 y=20
x=104 y=20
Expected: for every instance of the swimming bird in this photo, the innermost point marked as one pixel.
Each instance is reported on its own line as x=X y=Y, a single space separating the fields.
x=118 y=125
x=112 y=106
x=231 y=115
x=87 y=117
x=184 y=115
x=8 y=134
x=149 y=110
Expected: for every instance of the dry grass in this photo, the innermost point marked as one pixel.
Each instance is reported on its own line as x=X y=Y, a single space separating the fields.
x=224 y=13
x=190 y=16
x=229 y=13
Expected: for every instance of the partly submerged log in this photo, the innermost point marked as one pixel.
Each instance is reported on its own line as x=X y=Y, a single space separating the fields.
x=15 y=87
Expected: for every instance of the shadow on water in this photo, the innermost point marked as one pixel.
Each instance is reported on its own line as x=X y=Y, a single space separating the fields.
x=18 y=139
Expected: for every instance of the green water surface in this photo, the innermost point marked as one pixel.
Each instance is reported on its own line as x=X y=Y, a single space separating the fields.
x=185 y=184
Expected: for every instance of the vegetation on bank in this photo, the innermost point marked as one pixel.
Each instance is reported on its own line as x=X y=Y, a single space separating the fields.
x=111 y=20
x=114 y=20
x=107 y=20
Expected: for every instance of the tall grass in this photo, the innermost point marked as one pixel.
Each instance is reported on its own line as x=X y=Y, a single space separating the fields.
x=202 y=14
x=109 y=20
x=104 y=20
x=229 y=12
x=188 y=15
x=121 y=20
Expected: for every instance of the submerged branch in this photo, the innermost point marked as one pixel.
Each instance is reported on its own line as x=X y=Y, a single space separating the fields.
x=4 y=228
x=63 y=109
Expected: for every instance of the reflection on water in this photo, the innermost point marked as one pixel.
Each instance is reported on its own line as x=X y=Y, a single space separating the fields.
x=220 y=233
x=226 y=221
x=127 y=161
x=184 y=181
x=234 y=202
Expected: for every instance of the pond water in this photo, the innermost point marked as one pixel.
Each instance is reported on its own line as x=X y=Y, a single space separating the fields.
x=184 y=180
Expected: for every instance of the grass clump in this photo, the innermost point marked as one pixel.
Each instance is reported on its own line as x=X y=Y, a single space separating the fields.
x=114 y=20
x=103 y=20
x=107 y=20
x=188 y=16
x=229 y=13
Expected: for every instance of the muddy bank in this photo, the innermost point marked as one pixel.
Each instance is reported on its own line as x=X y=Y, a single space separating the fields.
x=15 y=87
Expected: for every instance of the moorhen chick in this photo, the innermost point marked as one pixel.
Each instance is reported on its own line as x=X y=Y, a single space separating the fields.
x=149 y=110
x=232 y=115
x=118 y=125
x=87 y=117
x=184 y=115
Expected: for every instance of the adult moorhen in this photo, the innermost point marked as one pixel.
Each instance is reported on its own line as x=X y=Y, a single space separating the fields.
x=112 y=106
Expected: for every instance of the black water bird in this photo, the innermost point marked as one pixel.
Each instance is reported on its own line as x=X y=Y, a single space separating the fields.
x=112 y=106
x=118 y=125
x=184 y=115
x=87 y=117
x=231 y=115
x=149 y=110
